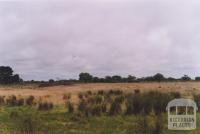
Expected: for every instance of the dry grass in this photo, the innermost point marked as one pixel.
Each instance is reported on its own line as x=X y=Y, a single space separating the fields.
x=55 y=94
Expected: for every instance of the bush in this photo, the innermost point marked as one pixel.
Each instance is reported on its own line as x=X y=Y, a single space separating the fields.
x=77 y=117
x=110 y=92
x=115 y=108
x=149 y=124
x=159 y=125
x=134 y=104
x=70 y=107
x=67 y=96
x=104 y=108
x=101 y=92
x=114 y=92
x=12 y=100
x=118 y=92
x=14 y=114
x=175 y=94
x=141 y=125
x=99 y=103
x=2 y=101
x=82 y=106
x=30 y=100
x=20 y=102
x=80 y=96
x=136 y=91
x=45 y=105
x=156 y=101
x=89 y=92
x=120 y=99
x=98 y=99
x=96 y=110
x=197 y=100
x=26 y=121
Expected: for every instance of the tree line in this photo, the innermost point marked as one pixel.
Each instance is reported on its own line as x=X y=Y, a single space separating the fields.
x=88 y=78
x=8 y=77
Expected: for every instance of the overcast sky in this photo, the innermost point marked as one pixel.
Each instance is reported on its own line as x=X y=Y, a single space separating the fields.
x=42 y=40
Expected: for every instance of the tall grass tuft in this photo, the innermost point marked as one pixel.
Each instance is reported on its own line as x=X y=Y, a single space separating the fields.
x=45 y=105
x=30 y=100
x=26 y=121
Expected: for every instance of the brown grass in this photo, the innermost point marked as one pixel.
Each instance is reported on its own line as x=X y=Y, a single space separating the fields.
x=55 y=93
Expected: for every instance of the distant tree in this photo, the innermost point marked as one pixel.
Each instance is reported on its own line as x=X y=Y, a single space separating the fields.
x=101 y=80
x=116 y=78
x=85 y=77
x=96 y=79
x=197 y=78
x=16 y=78
x=149 y=78
x=7 y=77
x=131 y=78
x=171 y=79
x=51 y=81
x=158 y=77
x=6 y=71
x=140 y=79
x=185 y=78
x=108 y=79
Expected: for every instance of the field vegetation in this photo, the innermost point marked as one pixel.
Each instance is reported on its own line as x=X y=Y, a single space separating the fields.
x=110 y=105
x=102 y=112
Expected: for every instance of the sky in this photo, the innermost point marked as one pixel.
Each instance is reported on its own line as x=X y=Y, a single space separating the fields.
x=59 y=39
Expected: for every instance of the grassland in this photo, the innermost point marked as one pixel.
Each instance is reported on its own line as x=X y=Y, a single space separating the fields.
x=28 y=119
x=55 y=93
x=58 y=121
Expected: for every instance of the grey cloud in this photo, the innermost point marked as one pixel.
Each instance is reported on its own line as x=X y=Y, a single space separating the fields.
x=43 y=40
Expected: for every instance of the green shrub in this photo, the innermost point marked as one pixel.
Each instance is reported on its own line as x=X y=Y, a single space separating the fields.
x=141 y=126
x=156 y=101
x=197 y=100
x=175 y=94
x=115 y=108
x=134 y=104
x=77 y=117
x=30 y=100
x=120 y=99
x=82 y=106
x=110 y=92
x=45 y=105
x=115 y=92
x=114 y=100
x=104 y=108
x=70 y=107
x=98 y=99
x=26 y=121
x=12 y=100
x=20 y=102
x=14 y=114
x=96 y=110
x=101 y=92
x=159 y=125
x=2 y=100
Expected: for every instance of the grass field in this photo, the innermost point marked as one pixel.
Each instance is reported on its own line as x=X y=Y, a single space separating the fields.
x=24 y=119
x=55 y=93
x=58 y=121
